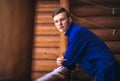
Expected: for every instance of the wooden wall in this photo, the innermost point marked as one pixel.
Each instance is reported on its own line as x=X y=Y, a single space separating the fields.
x=46 y=38
x=95 y=15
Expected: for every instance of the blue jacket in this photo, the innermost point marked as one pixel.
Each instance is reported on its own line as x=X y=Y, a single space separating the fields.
x=87 y=50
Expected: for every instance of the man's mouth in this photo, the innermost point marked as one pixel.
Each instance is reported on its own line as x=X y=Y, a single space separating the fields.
x=61 y=27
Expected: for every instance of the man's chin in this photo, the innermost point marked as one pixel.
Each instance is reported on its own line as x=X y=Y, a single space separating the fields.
x=61 y=31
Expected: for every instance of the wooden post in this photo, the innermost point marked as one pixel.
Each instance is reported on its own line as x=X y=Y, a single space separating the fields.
x=63 y=39
x=16 y=38
x=65 y=4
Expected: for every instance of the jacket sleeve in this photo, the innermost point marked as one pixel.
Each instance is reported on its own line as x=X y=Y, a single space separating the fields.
x=76 y=47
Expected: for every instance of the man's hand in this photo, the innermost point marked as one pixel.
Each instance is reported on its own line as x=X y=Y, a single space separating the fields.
x=60 y=61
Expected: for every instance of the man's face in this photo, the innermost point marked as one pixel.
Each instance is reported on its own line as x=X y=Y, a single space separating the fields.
x=62 y=22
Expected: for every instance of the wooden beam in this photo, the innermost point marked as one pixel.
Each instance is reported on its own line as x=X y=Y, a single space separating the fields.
x=65 y=4
x=63 y=39
x=16 y=38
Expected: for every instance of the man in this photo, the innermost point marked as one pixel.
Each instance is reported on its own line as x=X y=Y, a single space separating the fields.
x=84 y=49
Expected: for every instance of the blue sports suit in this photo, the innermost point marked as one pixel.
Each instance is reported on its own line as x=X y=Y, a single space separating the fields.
x=91 y=53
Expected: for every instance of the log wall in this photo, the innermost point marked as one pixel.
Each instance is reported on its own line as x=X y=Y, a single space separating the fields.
x=46 y=38
x=97 y=16
x=100 y=21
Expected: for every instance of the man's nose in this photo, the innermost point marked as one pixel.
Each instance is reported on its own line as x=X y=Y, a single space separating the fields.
x=59 y=22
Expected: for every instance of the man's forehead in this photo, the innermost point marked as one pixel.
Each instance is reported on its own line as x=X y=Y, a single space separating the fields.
x=59 y=16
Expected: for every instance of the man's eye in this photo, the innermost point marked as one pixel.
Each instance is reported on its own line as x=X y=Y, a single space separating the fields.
x=62 y=19
x=56 y=21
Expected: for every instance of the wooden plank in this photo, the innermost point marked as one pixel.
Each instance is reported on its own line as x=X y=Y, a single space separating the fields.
x=45 y=3
x=43 y=16
x=46 y=6
x=41 y=21
x=101 y=20
x=46 y=53
x=44 y=65
x=102 y=5
x=98 y=22
x=46 y=41
x=46 y=30
x=95 y=1
x=89 y=10
x=107 y=20
x=114 y=46
x=47 y=9
x=106 y=37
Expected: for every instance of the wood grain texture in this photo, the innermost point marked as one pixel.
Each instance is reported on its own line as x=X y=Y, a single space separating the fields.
x=47 y=39
x=44 y=65
x=16 y=38
x=46 y=53
x=46 y=29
